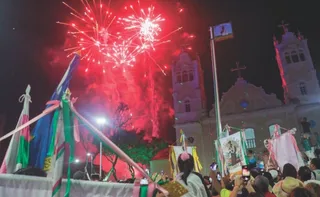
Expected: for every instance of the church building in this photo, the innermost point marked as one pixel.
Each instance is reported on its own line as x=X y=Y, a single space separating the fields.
x=245 y=105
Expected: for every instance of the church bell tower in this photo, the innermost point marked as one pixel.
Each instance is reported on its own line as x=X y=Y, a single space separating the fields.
x=188 y=91
x=299 y=79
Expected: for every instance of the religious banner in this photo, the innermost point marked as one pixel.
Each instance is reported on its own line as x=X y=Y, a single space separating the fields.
x=233 y=152
x=223 y=32
x=284 y=149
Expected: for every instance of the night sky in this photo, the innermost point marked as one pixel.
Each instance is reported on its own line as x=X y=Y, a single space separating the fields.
x=28 y=28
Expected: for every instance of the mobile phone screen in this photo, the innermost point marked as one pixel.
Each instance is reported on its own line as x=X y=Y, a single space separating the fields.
x=245 y=173
x=218 y=177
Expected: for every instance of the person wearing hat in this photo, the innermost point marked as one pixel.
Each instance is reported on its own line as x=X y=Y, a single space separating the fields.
x=284 y=187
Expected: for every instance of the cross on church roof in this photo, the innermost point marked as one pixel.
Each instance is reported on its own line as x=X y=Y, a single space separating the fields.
x=238 y=69
x=284 y=26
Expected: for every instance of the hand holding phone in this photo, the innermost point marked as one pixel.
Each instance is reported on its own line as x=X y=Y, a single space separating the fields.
x=214 y=166
x=245 y=174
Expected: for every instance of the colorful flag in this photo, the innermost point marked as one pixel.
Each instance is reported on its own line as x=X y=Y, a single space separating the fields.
x=42 y=133
x=17 y=155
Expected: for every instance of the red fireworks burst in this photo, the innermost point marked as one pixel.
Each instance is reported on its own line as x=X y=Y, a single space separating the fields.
x=104 y=43
x=145 y=26
x=122 y=54
x=91 y=29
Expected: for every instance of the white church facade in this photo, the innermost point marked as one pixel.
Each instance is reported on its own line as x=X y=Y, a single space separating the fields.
x=246 y=106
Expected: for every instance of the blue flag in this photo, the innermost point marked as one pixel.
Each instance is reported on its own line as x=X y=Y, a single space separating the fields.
x=42 y=133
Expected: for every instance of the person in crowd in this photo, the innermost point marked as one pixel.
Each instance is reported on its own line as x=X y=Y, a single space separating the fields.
x=289 y=171
x=226 y=187
x=315 y=167
x=254 y=173
x=252 y=159
x=317 y=151
x=288 y=183
x=269 y=163
x=269 y=177
x=188 y=178
x=301 y=192
x=191 y=180
x=314 y=188
x=304 y=174
x=261 y=185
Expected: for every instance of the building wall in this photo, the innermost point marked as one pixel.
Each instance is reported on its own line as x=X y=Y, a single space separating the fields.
x=204 y=131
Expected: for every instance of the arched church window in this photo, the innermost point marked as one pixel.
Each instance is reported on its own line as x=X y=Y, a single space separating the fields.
x=190 y=75
x=184 y=76
x=187 y=106
x=294 y=57
x=272 y=130
x=303 y=88
x=301 y=55
x=250 y=137
x=288 y=58
x=179 y=79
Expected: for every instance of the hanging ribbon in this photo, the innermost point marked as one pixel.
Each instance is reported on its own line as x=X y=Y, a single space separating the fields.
x=68 y=133
x=136 y=188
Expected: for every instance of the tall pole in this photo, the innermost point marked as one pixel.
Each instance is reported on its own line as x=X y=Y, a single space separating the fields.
x=100 y=167
x=215 y=84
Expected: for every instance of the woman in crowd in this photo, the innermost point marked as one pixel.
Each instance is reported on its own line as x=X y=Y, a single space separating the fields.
x=189 y=179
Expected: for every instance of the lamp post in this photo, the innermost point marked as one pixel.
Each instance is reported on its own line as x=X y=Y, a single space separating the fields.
x=101 y=122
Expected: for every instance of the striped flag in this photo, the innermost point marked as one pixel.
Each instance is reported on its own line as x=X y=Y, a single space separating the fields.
x=17 y=155
x=42 y=133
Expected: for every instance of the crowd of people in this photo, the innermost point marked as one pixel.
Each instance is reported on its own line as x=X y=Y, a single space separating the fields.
x=263 y=182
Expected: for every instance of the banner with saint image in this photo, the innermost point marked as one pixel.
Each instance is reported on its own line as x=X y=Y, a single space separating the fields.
x=223 y=32
x=234 y=153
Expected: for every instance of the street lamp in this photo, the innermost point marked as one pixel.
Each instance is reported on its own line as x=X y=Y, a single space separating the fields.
x=101 y=121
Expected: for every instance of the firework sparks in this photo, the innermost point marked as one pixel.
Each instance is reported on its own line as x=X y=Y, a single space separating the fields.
x=104 y=43
x=123 y=54
x=145 y=25
x=91 y=30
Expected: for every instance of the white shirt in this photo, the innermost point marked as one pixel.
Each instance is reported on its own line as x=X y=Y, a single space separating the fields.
x=195 y=186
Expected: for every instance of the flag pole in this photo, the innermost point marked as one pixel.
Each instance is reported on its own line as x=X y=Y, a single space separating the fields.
x=215 y=84
x=100 y=164
x=116 y=149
